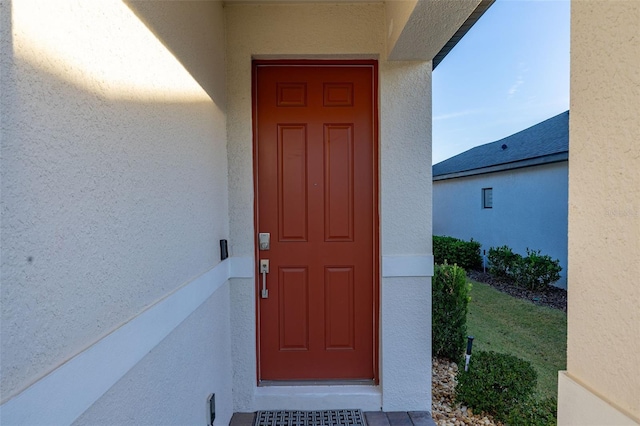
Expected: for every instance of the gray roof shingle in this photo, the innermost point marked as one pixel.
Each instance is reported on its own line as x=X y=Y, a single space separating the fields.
x=544 y=139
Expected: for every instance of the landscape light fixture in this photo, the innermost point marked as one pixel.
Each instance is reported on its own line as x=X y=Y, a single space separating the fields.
x=467 y=356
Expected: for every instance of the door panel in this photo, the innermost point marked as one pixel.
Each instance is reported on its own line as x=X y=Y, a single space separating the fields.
x=339 y=308
x=315 y=146
x=338 y=176
x=293 y=307
x=292 y=182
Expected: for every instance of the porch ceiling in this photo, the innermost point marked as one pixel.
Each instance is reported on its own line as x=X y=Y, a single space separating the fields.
x=417 y=30
x=430 y=26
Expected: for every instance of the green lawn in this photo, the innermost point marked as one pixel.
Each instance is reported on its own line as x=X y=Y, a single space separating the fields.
x=502 y=323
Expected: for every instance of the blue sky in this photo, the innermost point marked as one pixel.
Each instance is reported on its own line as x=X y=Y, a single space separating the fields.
x=509 y=72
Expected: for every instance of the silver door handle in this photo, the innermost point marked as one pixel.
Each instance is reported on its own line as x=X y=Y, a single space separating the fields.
x=264 y=270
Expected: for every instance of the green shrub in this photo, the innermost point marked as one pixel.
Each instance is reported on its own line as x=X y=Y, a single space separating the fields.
x=495 y=383
x=533 y=412
x=536 y=271
x=465 y=254
x=502 y=261
x=533 y=272
x=450 y=297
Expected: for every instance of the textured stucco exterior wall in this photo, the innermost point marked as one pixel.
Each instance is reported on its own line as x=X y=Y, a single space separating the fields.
x=406 y=344
x=405 y=229
x=114 y=183
x=405 y=145
x=604 y=210
x=335 y=31
x=529 y=210
x=166 y=388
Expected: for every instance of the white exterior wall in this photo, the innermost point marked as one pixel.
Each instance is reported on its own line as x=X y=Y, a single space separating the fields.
x=530 y=207
x=602 y=383
x=114 y=197
x=341 y=31
x=170 y=385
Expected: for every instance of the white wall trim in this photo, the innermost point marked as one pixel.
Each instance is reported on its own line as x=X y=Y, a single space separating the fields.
x=64 y=394
x=407 y=266
x=392 y=266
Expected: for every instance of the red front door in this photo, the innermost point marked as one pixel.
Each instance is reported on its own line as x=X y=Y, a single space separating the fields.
x=316 y=166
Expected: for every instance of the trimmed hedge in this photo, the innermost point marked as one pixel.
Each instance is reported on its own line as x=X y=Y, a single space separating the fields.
x=495 y=383
x=501 y=261
x=465 y=254
x=533 y=272
x=450 y=298
x=536 y=271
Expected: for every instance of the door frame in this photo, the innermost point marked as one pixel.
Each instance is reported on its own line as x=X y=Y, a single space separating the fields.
x=373 y=63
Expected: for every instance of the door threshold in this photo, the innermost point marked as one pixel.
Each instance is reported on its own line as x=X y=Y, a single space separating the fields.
x=265 y=383
x=329 y=395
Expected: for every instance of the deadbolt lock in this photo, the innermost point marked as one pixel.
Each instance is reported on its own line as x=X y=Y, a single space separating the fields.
x=264 y=240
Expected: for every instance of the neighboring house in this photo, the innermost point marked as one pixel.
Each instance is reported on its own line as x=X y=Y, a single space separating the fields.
x=510 y=192
x=133 y=142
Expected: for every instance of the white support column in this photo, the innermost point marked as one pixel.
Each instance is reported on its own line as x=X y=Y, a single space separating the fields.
x=407 y=262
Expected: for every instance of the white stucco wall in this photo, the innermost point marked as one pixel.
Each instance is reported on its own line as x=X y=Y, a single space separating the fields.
x=340 y=31
x=603 y=350
x=114 y=196
x=170 y=386
x=529 y=210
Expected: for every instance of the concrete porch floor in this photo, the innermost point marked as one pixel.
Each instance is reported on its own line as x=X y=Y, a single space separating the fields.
x=373 y=418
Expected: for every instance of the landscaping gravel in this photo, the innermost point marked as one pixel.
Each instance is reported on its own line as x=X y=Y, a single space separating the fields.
x=444 y=410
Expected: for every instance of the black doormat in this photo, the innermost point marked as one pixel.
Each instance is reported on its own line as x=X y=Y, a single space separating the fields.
x=310 y=418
